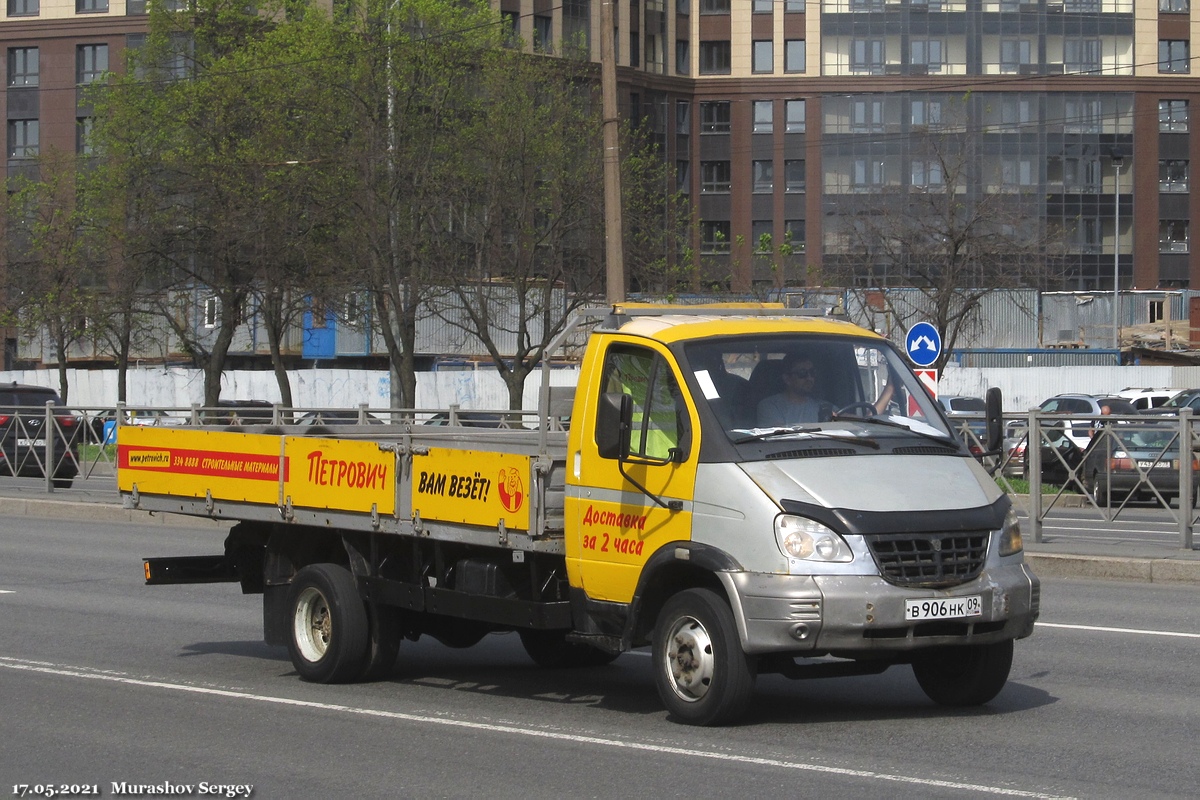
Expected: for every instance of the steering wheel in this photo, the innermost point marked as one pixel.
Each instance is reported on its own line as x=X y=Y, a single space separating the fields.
x=861 y=405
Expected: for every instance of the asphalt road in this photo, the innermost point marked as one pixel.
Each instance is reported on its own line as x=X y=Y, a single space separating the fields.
x=105 y=681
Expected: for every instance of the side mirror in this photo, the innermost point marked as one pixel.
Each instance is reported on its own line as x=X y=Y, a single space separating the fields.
x=994 y=412
x=614 y=424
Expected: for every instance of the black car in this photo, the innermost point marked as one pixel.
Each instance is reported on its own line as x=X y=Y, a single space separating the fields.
x=240 y=412
x=24 y=434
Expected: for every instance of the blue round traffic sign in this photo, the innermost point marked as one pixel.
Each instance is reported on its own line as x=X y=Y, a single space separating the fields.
x=923 y=344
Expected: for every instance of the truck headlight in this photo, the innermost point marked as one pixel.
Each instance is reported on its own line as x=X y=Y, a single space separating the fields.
x=800 y=537
x=1010 y=535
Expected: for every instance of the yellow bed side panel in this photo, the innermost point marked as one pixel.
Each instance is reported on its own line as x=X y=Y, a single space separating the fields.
x=247 y=467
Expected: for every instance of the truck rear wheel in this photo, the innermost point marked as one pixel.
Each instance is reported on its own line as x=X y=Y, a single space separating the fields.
x=964 y=676
x=330 y=630
x=550 y=649
x=701 y=673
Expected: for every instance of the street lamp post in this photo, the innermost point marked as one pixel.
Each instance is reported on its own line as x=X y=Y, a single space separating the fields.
x=1117 y=162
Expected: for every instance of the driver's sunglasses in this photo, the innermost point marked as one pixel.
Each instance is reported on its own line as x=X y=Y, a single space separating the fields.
x=801 y=373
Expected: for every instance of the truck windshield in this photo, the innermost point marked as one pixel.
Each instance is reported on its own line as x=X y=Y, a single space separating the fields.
x=761 y=387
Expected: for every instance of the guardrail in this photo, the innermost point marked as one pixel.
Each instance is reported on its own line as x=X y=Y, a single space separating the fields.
x=1104 y=463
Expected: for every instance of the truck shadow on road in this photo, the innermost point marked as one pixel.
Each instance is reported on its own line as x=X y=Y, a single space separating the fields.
x=499 y=668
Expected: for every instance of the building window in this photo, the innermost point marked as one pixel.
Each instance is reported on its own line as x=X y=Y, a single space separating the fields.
x=794 y=6
x=927 y=174
x=682 y=65
x=714 y=6
x=764 y=177
x=714 y=116
x=1173 y=176
x=24 y=8
x=714 y=58
x=1083 y=115
x=1014 y=54
x=91 y=6
x=866 y=116
x=1172 y=116
x=764 y=56
x=1173 y=56
x=926 y=53
x=91 y=62
x=22 y=138
x=764 y=6
x=23 y=66
x=868 y=175
x=764 y=116
x=1015 y=113
x=683 y=176
x=794 y=55
x=795 y=116
x=714 y=177
x=543 y=27
x=1174 y=6
x=866 y=55
x=761 y=234
x=793 y=235
x=683 y=7
x=212 y=307
x=683 y=118
x=714 y=237
x=1081 y=174
x=926 y=113
x=1016 y=172
x=1173 y=236
x=1081 y=55
x=83 y=135
x=793 y=175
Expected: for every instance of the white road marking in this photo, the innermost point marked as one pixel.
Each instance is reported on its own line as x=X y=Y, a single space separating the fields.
x=7 y=591
x=1137 y=631
x=88 y=673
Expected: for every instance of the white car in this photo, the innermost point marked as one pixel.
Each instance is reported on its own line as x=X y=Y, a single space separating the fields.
x=1143 y=399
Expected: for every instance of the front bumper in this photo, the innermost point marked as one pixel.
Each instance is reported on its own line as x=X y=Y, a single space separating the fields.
x=816 y=615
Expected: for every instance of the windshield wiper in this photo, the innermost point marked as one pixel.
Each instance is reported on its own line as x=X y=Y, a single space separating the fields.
x=815 y=432
x=891 y=423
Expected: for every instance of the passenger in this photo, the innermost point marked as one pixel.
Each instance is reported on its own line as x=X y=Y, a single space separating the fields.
x=795 y=404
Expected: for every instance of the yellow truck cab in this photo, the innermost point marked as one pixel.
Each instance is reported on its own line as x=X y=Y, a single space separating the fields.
x=743 y=489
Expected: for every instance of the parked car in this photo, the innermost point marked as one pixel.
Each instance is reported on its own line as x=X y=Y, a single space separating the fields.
x=1015 y=440
x=102 y=421
x=475 y=419
x=1143 y=399
x=1085 y=410
x=24 y=435
x=957 y=404
x=241 y=412
x=1188 y=398
x=1138 y=462
x=312 y=419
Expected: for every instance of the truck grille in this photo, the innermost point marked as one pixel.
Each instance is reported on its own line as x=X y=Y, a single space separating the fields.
x=929 y=559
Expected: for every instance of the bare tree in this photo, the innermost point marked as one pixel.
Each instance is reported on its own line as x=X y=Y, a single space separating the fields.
x=954 y=233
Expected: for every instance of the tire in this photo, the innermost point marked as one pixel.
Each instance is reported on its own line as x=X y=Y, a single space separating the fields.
x=551 y=650
x=384 y=634
x=63 y=483
x=964 y=676
x=329 y=627
x=701 y=673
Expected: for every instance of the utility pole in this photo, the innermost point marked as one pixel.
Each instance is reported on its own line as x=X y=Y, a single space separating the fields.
x=614 y=250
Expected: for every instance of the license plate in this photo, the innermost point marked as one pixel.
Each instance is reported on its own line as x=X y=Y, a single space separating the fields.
x=943 y=608
x=1152 y=464
x=31 y=442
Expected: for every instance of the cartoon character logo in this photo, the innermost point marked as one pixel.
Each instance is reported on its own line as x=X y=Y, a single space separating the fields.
x=511 y=488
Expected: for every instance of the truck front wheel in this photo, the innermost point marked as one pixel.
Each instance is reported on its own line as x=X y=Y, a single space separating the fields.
x=701 y=673
x=964 y=676
x=329 y=630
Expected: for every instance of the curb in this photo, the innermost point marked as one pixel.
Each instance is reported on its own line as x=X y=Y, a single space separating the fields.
x=100 y=512
x=1146 y=570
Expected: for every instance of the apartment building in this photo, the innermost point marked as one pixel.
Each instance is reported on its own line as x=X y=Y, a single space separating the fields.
x=790 y=117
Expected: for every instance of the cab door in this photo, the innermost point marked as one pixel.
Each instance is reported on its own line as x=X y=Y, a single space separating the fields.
x=616 y=526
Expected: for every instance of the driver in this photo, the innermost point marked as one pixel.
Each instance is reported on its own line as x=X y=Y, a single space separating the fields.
x=795 y=404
